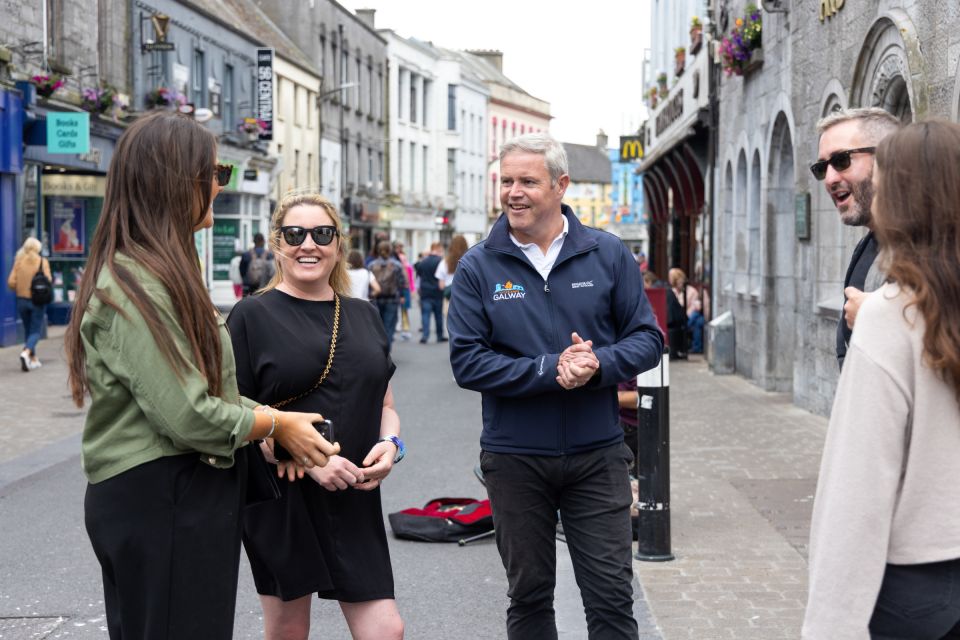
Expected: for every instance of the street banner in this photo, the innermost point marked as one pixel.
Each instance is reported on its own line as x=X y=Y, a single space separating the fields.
x=265 y=92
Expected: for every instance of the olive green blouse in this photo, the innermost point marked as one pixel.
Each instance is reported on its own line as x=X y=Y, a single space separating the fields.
x=140 y=409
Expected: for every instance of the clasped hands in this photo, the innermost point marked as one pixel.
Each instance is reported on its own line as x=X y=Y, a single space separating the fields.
x=340 y=473
x=578 y=363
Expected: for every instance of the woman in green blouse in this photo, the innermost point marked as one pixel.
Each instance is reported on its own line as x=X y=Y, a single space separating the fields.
x=163 y=440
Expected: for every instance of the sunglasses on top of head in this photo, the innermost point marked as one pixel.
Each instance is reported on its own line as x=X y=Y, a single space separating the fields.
x=322 y=235
x=223 y=174
x=839 y=160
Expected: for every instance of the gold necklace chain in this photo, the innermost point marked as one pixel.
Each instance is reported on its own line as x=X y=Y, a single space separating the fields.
x=333 y=350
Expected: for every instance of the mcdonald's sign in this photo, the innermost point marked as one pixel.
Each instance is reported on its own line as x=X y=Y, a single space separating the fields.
x=631 y=148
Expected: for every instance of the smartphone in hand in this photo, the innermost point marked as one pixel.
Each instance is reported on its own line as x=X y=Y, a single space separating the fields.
x=324 y=428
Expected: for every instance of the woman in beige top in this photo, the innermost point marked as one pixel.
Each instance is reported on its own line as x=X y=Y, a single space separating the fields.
x=26 y=264
x=885 y=537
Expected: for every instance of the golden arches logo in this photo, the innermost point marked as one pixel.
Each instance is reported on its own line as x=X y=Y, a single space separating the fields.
x=631 y=148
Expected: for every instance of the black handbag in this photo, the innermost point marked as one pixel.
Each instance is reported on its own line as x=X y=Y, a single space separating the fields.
x=261 y=476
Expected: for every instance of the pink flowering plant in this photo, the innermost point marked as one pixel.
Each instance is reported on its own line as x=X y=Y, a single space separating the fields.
x=252 y=126
x=736 y=49
x=165 y=97
x=47 y=84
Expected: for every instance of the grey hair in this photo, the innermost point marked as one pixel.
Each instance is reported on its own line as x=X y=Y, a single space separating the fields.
x=875 y=123
x=542 y=144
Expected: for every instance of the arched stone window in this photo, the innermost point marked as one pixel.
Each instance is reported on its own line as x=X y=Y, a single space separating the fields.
x=890 y=71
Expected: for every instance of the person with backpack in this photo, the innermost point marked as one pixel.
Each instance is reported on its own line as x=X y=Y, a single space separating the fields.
x=31 y=281
x=389 y=275
x=257 y=266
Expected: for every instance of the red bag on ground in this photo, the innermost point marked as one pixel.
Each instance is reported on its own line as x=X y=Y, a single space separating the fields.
x=443 y=520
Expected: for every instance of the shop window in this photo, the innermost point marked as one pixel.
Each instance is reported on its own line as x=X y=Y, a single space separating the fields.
x=452 y=107
x=199 y=77
x=228 y=100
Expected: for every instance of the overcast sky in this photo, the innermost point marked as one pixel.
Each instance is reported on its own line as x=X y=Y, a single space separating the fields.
x=584 y=58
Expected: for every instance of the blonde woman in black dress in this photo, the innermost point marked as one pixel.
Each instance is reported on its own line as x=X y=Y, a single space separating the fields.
x=325 y=535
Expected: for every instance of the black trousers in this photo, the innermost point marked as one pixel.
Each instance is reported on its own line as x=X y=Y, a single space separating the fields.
x=592 y=493
x=918 y=602
x=167 y=535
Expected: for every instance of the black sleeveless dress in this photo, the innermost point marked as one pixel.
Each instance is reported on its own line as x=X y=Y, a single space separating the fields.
x=311 y=540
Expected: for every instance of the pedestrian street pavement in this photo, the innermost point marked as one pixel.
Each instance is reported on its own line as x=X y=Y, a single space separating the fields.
x=743 y=468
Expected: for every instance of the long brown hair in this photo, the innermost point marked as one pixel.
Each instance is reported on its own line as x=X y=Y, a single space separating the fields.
x=917 y=221
x=158 y=189
x=339 y=278
x=458 y=247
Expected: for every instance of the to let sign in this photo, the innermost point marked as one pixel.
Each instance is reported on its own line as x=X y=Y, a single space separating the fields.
x=68 y=132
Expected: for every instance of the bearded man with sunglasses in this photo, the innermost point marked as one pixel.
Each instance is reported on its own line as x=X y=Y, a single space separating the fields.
x=848 y=139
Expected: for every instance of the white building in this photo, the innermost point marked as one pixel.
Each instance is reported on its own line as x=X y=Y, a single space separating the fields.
x=464 y=140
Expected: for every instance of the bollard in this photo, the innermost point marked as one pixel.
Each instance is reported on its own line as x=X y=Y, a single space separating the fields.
x=653 y=464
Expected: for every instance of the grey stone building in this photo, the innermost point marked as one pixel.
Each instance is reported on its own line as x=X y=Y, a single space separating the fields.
x=781 y=250
x=348 y=51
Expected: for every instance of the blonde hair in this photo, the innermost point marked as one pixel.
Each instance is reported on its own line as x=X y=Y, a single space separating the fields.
x=676 y=277
x=31 y=246
x=339 y=278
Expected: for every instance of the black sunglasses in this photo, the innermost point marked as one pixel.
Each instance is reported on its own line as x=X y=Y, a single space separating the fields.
x=224 y=173
x=839 y=160
x=322 y=235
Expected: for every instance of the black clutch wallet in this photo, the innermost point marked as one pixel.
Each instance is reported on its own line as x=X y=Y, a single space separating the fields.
x=324 y=428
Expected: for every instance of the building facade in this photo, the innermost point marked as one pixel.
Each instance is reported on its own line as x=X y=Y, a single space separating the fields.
x=415 y=185
x=781 y=249
x=628 y=218
x=511 y=112
x=588 y=193
x=677 y=160
x=352 y=60
x=50 y=191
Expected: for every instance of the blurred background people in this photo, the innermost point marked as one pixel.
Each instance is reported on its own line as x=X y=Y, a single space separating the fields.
x=26 y=264
x=363 y=285
x=431 y=296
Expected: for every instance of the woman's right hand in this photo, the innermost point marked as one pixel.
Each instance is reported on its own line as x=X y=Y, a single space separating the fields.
x=298 y=436
x=338 y=475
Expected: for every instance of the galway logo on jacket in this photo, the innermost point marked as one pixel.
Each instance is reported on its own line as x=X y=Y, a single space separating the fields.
x=508 y=291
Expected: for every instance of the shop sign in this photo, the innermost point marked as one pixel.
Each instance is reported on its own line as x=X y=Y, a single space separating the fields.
x=73 y=186
x=67 y=219
x=68 y=132
x=830 y=8
x=670 y=113
x=265 y=92
x=226 y=236
x=631 y=148
x=161 y=28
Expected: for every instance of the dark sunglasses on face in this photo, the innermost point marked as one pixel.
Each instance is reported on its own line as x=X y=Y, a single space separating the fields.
x=839 y=160
x=322 y=235
x=224 y=173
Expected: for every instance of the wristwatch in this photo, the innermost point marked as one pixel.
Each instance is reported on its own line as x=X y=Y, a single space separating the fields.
x=401 y=450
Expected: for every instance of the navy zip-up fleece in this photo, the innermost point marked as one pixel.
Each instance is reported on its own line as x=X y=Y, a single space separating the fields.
x=508 y=326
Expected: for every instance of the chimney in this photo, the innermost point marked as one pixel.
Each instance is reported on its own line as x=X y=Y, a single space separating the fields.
x=601 y=140
x=493 y=57
x=366 y=17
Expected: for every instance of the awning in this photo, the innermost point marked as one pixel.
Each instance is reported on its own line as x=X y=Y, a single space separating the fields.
x=678 y=171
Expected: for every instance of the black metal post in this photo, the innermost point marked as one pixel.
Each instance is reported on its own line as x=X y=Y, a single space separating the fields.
x=653 y=464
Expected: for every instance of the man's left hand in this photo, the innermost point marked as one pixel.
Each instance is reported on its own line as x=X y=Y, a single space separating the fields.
x=578 y=363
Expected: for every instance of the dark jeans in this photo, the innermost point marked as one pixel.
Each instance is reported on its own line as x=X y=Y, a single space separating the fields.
x=592 y=493
x=32 y=317
x=167 y=535
x=431 y=306
x=389 y=310
x=918 y=602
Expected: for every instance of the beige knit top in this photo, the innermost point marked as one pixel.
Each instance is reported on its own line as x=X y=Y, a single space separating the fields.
x=889 y=486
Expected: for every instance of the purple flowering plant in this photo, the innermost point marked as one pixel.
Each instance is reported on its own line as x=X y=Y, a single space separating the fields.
x=252 y=125
x=165 y=97
x=736 y=49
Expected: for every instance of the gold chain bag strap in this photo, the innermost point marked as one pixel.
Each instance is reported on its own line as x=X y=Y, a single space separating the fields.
x=333 y=349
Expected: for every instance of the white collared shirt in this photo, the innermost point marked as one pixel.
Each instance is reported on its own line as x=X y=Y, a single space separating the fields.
x=543 y=262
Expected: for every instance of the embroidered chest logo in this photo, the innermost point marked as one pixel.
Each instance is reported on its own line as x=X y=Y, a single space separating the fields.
x=508 y=291
x=580 y=285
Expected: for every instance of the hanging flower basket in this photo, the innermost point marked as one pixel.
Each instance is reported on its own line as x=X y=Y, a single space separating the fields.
x=165 y=98
x=741 y=50
x=680 y=61
x=47 y=84
x=652 y=97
